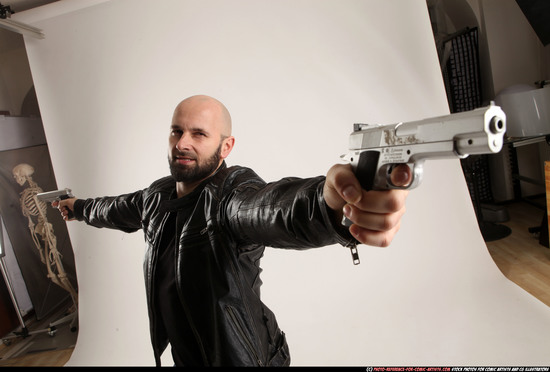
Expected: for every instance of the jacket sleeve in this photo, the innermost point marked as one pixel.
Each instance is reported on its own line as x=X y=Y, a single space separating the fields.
x=290 y=213
x=120 y=212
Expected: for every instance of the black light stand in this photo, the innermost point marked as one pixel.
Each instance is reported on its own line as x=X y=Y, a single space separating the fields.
x=489 y=230
x=24 y=333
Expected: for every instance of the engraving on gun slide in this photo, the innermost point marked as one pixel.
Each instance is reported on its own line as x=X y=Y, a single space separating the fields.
x=374 y=150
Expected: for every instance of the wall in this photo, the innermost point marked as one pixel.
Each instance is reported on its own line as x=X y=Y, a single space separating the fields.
x=295 y=75
x=517 y=55
x=15 y=76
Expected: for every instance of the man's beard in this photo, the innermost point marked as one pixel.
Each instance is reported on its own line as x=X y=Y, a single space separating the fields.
x=198 y=172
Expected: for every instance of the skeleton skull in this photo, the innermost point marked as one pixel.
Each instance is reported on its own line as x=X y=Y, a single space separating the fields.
x=22 y=172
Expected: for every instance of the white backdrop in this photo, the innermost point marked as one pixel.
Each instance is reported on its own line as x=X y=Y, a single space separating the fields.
x=295 y=74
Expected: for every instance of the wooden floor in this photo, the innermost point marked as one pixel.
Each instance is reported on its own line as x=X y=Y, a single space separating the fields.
x=44 y=345
x=519 y=256
x=56 y=358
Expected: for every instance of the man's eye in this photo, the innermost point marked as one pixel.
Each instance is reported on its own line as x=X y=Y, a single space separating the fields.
x=176 y=133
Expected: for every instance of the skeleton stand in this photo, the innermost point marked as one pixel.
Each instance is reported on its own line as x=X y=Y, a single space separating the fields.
x=24 y=333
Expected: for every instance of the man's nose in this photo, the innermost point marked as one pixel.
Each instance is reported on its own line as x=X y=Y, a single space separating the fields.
x=184 y=143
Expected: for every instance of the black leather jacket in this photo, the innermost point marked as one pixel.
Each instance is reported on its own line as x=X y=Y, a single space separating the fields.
x=235 y=215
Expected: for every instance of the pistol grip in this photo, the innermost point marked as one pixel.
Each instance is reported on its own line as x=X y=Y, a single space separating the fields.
x=367 y=168
x=365 y=171
x=70 y=213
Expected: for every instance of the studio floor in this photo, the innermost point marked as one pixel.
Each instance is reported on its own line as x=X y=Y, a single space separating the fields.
x=44 y=345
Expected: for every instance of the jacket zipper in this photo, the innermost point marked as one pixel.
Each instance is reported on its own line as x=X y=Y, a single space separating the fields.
x=180 y=295
x=152 y=273
x=240 y=330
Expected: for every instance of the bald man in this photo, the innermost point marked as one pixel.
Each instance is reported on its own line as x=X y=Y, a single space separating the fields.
x=206 y=227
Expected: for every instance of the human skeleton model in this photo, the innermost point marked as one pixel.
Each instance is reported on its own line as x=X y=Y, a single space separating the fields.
x=42 y=230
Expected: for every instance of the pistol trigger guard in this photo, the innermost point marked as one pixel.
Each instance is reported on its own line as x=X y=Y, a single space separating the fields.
x=417 y=174
x=417 y=171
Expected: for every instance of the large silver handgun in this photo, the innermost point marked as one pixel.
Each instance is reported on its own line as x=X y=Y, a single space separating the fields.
x=56 y=195
x=52 y=196
x=374 y=150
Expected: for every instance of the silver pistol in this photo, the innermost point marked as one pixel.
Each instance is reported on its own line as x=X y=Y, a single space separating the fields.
x=52 y=196
x=374 y=150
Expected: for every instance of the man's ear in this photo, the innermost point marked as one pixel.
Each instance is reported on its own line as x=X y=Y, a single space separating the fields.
x=227 y=146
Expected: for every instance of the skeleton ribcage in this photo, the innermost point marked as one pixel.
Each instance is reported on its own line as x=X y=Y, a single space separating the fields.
x=29 y=205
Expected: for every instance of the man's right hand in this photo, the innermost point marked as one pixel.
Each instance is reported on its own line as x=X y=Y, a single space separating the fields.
x=376 y=215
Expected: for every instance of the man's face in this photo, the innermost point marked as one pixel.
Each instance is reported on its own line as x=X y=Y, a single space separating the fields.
x=195 y=144
x=184 y=170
